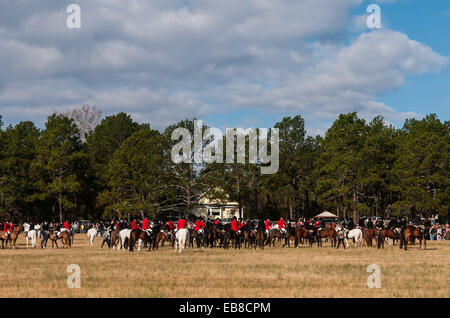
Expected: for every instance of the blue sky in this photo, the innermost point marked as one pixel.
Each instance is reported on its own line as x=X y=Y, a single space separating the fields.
x=230 y=63
x=425 y=21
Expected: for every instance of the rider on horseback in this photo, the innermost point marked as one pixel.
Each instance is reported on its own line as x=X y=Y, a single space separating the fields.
x=235 y=225
x=145 y=226
x=181 y=224
x=282 y=225
x=268 y=226
x=7 y=228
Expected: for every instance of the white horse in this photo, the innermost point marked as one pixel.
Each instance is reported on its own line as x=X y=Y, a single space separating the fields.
x=123 y=235
x=356 y=235
x=32 y=235
x=91 y=233
x=181 y=238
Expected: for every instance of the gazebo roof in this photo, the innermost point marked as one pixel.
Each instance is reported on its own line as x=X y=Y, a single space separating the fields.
x=326 y=214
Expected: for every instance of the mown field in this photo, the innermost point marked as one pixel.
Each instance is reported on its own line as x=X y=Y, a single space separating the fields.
x=272 y=272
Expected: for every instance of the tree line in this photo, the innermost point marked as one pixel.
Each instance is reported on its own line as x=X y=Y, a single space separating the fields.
x=80 y=167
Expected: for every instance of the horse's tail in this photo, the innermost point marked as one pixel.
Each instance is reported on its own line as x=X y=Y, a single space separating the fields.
x=70 y=241
x=131 y=242
x=379 y=239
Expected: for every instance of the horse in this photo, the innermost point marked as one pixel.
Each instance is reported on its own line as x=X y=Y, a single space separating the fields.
x=124 y=238
x=194 y=236
x=383 y=234
x=369 y=236
x=161 y=236
x=63 y=235
x=91 y=233
x=66 y=238
x=231 y=235
x=302 y=234
x=15 y=234
x=208 y=235
x=249 y=235
x=44 y=236
x=115 y=239
x=106 y=235
x=411 y=232
x=260 y=235
x=181 y=238
x=272 y=236
x=328 y=232
x=30 y=234
x=141 y=236
x=289 y=236
x=356 y=235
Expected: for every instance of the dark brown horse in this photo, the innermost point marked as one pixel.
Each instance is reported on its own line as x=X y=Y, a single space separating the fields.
x=249 y=236
x=274 y=234
x=409 y=233
x=289 y=236
x=303 y=235
x=327 y=233
x=259 y=238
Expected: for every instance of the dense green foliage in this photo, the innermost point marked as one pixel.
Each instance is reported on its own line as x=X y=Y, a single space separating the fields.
x=124 y=168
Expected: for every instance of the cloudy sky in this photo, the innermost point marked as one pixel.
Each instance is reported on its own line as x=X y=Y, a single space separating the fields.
x=232 y=63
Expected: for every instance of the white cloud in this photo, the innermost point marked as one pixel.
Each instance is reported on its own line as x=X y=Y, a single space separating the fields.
x=164 y=61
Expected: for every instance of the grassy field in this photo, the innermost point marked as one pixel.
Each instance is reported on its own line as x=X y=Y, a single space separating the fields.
x=272 y=272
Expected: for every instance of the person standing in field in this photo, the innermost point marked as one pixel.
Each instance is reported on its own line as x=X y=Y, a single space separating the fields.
x=341 y=236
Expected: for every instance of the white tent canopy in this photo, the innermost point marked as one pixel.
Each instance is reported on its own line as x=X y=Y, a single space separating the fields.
x=326 y=214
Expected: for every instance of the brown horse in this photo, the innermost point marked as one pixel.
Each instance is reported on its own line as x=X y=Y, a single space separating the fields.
x=409 y=233
x=249 y=237
x=289 y=236
x=303 y=235
x=369 y=236
x=259 y=238
x=115 y=239
x=15 y=234
x=11 y=237
x=328 y=232
x=383 y=234
x=161 y=236
x=137 y=234
x=4 y=238
x=274 y=234
x=64 y=236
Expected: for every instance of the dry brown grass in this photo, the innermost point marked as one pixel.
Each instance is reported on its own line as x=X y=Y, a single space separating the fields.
x=272 y=272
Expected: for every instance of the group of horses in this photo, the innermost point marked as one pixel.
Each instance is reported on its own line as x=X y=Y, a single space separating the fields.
x=252 y=235
x=65 y=236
